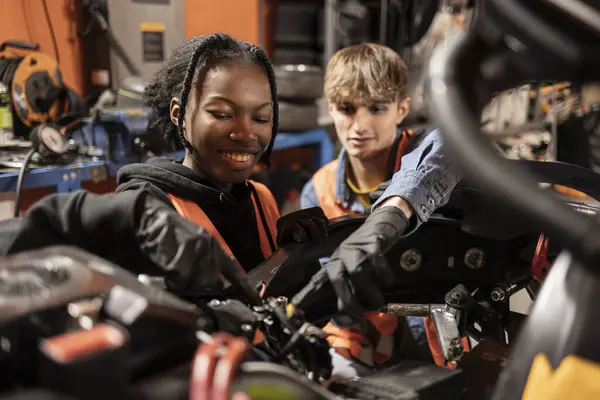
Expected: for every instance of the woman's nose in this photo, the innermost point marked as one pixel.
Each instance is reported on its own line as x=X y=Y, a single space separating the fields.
x=242 y=130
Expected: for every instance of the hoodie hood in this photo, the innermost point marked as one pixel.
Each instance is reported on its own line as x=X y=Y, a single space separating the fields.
x=173 y=177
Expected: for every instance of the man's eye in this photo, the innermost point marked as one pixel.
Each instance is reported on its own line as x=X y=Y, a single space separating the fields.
x=378 y=109
x=346 y=109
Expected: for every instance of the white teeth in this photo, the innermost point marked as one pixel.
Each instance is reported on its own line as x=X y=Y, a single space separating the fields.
x=239 y=157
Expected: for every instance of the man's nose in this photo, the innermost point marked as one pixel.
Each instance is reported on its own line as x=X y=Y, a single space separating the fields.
x=361 y=122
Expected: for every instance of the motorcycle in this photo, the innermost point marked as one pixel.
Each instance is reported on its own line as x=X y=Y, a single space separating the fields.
x=78 y=326
x=75 y=326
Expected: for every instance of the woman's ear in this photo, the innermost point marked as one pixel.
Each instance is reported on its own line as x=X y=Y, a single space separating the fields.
x=174 y=110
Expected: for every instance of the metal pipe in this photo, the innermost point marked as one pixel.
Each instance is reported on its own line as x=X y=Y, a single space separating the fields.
x=383 y=19
x=330 y=20
x=408 y=309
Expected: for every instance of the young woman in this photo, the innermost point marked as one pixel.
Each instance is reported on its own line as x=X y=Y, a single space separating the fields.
x=216 y=98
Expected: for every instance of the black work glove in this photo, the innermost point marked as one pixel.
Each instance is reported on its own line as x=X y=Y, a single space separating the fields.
x=299 y=226
x=358 y=268
x=376 y=194
x=191 y=257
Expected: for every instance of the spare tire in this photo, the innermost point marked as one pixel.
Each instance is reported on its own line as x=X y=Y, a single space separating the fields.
x=299 y=82
x=287 y=56
x=297 y=117
x=296 y=24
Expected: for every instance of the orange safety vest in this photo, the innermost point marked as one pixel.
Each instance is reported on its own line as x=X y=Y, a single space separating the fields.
x=265 y=209
x=266 y=212
x=324 y=181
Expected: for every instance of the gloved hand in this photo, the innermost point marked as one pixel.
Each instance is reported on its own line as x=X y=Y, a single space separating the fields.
x=192 y=258
x=357 y=269
x=302 y=226
x=376 y=194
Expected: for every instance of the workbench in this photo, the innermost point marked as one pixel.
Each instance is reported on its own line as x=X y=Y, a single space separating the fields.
x=68 y=178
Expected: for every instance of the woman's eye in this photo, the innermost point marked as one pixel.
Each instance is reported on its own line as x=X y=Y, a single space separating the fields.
x=221 y=116
x=262 y=120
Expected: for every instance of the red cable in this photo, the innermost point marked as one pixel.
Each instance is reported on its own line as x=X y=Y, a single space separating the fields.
x=540 y=265
x=215 y=365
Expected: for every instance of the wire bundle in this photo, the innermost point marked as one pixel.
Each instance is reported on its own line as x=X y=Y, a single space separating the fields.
x=8 y=68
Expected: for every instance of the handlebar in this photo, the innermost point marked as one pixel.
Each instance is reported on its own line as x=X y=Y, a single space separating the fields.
x=458 y=85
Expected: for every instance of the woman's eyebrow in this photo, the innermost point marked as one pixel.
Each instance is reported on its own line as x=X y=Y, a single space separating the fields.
x=233 y=103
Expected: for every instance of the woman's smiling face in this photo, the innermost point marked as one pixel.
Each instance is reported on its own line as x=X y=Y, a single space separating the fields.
x=228 y=121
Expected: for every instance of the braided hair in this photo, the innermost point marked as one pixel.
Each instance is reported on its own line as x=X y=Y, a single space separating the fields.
x=177 y=76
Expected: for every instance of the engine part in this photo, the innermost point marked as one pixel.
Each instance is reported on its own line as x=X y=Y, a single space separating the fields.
x=410 y=380
x=475 y=258
x=299 y=82
x=297 y=117
x=267 y=381
x=410 y=260
x=525 y=49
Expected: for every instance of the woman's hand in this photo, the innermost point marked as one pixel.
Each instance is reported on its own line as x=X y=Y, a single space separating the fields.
x=305 y=225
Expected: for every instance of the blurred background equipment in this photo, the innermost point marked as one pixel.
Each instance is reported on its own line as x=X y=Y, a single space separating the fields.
x=32 y=89
x=87 y=75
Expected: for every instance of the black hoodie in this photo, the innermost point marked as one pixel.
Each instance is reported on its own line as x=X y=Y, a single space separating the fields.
x=232 y=215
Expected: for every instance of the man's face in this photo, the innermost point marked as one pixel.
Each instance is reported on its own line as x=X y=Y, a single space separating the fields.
x=367 y=128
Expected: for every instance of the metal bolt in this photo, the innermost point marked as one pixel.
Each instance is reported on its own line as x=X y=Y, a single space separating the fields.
x=498 y=294
x=246 y=327
x=456 y=347
x=475 y=258
x=410 y=260
x=282 y=300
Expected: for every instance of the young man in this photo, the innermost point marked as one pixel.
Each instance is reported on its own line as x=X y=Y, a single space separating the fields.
x=365 y=87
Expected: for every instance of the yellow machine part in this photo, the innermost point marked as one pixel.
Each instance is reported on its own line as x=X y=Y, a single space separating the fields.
x=32 y=63
x=574 y=379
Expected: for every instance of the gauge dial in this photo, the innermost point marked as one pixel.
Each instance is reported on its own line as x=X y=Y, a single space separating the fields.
x=53 y=140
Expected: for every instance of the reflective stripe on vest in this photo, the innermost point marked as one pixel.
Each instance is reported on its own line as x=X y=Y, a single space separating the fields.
x=324 y=181
x=266 y=202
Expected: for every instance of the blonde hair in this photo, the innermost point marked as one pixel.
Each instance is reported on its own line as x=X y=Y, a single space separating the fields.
x=370 y=71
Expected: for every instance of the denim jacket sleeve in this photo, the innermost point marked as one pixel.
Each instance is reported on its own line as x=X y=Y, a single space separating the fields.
x=308 y=197
x=426 y=178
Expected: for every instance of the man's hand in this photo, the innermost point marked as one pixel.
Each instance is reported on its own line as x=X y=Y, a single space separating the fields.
x=398 y=202
x=305 y=225
x=357 y=269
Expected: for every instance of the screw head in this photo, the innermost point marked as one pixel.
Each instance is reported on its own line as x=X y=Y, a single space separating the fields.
x=475 y=258
x=410 y=260
x=498 y=294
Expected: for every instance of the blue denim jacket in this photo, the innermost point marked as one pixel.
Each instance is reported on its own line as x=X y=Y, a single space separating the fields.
x=425 y=180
